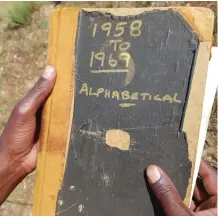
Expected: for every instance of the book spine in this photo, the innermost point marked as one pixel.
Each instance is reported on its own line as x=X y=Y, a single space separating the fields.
x=58 y=112
x=43 y=142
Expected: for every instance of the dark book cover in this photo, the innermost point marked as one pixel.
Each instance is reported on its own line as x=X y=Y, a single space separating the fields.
x=133 y=75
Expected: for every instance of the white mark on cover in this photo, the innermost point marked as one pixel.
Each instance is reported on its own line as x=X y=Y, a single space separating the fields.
x=105 y=177
x=72 y=188
x=81 y=208
x=60 y=202
x=60 y=212
x=91 y=133
x=167 y=37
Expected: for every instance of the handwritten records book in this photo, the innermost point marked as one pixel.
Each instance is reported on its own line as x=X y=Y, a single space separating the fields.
x=129 y=93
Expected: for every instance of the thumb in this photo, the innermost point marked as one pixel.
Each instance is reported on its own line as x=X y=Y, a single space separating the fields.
x=22 y=118
x=166 y=192
x=29 y=105
x=34 y=98
x=21 y=128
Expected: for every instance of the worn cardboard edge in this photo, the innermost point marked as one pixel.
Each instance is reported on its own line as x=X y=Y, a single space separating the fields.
x=72 y=94
x=194 y=107
x=209 y=97
x=199 y=18
x=200 y=25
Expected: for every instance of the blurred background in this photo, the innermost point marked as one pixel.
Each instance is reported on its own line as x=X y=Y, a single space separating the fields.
x=23 y=51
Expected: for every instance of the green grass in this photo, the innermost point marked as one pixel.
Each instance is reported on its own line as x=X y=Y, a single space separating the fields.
x=44 y=23
x=17 y=14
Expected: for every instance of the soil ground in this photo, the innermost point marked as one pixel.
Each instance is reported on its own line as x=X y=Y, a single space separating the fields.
x=22 y=58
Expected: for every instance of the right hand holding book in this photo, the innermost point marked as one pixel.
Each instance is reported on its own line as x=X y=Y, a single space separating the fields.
x=205 y=195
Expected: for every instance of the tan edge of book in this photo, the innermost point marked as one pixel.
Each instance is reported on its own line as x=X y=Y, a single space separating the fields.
x=57 y=116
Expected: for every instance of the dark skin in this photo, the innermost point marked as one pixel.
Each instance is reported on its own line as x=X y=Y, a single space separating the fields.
x=18 y=157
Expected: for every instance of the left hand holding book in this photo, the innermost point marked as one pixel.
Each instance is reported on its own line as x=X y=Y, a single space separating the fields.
x=18 y=142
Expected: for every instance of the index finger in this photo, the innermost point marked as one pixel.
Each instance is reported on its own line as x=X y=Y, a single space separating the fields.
x=208 y=175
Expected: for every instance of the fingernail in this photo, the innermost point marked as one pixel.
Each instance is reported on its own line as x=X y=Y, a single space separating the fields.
x=153 y=173
x=48 y=72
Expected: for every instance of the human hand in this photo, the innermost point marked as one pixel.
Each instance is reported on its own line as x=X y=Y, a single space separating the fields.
x=205 y=194
x=18 y=149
